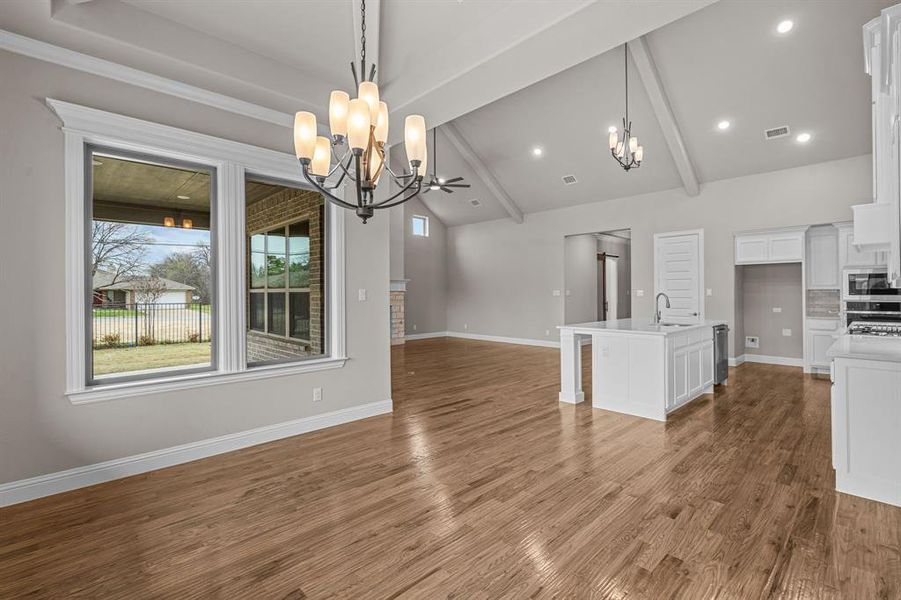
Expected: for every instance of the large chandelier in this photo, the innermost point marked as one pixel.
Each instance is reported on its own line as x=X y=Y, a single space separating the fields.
x=625 y=149
x=359 y=130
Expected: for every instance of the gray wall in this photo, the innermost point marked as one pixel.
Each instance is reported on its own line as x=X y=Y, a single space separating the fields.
x=40 y=430
x=493 y=297
x=765 y=287
x=580 y=278
x=425 y=265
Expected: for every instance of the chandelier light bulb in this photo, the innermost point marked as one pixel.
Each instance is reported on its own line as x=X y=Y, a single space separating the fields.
x=613 y=139
x=414 y=139
x=633 y=144
x=304 y=135
x=639 y=154
x=369 y=93
x=381 y=125
x=358 y=124
x=337 y=113
x=322 y=157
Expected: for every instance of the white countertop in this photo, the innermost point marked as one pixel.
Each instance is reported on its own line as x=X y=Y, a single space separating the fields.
x=866 y=347
x=639 y=326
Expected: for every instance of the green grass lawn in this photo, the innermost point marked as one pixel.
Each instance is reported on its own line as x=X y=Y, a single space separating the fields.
x=122 y=360
x=113 y=312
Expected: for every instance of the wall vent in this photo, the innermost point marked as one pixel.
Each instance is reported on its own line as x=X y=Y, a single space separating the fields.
x=475 y=202
x=776 y=132
x=569 y=179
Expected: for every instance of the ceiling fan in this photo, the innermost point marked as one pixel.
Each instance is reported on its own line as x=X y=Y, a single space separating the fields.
x=436 y=184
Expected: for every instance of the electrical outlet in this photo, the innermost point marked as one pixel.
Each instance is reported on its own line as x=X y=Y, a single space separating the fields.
x=361 y=295
x=547 y=332
x=317 y=394
x=752 y=341
x=787 y=332
x=414 y=326
x=568 y=293
x=709 y=292
x=465 y=325
x=555 y=293
x=777 y=309
x=639 y=293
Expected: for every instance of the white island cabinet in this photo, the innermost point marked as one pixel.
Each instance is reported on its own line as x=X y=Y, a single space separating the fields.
x=637 y=367
x=866 y=417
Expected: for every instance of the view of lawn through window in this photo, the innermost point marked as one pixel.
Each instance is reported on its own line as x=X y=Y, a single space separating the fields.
x=285 y=304
x=151 y=305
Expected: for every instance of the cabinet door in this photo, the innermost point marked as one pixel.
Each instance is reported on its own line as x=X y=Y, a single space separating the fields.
x=751 y=249
x=786 y=247
x=819 y=342
x=822 y=259
x=680 y=376
x=706 y=365
x=850 y=255
x=694 y=371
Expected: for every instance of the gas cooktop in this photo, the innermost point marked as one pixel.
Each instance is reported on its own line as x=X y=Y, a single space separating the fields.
x=875 y=328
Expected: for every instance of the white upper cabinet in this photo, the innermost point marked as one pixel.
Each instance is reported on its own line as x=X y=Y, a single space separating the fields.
x=776 y=246
x=852 y=256
x=822 y=258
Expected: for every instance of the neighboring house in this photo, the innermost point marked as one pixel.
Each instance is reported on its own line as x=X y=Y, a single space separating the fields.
x=123 y=292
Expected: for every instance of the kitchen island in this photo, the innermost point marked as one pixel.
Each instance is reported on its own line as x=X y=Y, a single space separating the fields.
x=638 y=367
x=866 y=416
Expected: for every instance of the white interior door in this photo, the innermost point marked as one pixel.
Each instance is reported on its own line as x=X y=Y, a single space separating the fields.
x=610 y=288
x=679 y=273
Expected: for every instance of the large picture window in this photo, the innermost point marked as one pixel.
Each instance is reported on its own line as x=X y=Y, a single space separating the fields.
x=285 y=298
x=151 y=305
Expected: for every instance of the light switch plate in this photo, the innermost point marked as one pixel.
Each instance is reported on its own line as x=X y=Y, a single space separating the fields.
x=777 y=309
x=709 y=292
x=556 y=292
x=787 y=332
x=361 y=295
x=639 y=293
x=317 y=394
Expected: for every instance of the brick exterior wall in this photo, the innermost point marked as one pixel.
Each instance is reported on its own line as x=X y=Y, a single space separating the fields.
x=398 y=326
x=281 y=208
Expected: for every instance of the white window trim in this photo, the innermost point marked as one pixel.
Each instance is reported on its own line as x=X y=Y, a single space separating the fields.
x=425 y=227
x=83 y=125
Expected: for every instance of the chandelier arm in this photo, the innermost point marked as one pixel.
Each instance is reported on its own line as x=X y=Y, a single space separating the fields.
x=395 y=175
x=338 y=161
x=345 y=167
x=328 y=195
x=402 y=200
x=416 y=181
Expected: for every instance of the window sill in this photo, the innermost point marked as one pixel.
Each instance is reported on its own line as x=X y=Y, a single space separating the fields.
x=116 y=391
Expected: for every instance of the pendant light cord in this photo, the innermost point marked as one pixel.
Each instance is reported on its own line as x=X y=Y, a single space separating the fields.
x=626 y=69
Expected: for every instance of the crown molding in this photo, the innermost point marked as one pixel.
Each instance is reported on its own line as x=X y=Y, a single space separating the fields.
x=58 y=55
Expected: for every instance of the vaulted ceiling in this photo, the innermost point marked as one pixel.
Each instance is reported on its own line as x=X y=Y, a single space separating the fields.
x=502 y=77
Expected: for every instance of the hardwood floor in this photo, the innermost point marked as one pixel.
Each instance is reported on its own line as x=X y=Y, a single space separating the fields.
x=480 y=485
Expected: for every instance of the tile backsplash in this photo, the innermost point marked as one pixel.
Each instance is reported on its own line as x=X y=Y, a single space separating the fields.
x=823 y=303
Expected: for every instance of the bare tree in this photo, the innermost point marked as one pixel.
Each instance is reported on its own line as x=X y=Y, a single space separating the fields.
x=147 y=291
x=117 y=249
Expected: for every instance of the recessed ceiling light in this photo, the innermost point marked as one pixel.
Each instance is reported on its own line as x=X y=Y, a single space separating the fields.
x=803 y=138
x=537 y=151
x=785 y=26
x=183 y=197
x=611 y=129
x=723 y=125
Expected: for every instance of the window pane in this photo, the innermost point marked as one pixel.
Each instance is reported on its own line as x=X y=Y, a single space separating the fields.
x=300 y=315
x=275 y=258
x=257 y=269
x=258 y=243
x=151 y=260
x=293 y=220
x=257 y=312
x=275 y=308
x=420 y=226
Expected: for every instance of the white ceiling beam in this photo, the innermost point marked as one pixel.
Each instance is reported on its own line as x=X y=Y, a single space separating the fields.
x=373 y=12
x=478 y=166
x=647 y=70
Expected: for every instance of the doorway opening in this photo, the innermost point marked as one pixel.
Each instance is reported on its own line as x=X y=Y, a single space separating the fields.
x=598 y=276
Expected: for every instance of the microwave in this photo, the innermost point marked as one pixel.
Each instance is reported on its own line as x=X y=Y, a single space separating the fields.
x=868 y=285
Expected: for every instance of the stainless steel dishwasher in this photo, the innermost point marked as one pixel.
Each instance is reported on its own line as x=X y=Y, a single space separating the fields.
x=720 y=354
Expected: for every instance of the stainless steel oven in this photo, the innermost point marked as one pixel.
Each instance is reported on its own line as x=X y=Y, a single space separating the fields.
x=868 y=285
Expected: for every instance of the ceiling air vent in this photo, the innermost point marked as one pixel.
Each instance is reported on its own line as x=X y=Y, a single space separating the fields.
x=776 y=132
x=475 y=202
x=569 y=179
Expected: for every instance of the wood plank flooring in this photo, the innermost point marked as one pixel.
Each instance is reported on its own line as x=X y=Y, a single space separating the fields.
x=480 y=485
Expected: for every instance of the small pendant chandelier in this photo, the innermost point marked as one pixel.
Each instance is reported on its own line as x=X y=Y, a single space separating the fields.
x=359 y=131
x=626 y=150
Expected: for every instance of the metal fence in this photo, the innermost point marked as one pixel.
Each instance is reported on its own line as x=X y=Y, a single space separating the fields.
x=124 y=325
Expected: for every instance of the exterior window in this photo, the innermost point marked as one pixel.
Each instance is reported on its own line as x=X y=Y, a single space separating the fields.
x=285 y=273
x=150 y=305
x=420 y=226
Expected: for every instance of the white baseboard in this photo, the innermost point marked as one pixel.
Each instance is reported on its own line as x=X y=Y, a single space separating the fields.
x=63 y=481
x=503 y=339
x=425 y=336
x=774 y=360
x=735 y=361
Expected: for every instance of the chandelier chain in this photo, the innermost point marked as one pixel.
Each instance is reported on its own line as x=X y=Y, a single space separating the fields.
x=363 y=32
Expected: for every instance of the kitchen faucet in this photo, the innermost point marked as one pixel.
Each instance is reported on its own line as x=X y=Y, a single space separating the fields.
x=657 y=307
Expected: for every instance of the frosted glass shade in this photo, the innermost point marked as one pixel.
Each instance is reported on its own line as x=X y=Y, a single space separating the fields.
x=613 y=138
x=322 y=157
x=414 y=138
x=375 y=168
x=337 y=112
x=358 y=122
x=304 y=134
x=639 y=153
x=369 y=93
x=381 y=125
x=619 y=149
x=633 y=144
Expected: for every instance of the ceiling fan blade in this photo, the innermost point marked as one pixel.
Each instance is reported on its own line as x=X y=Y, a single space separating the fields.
x=447 y=191
x=458 y=185
x=425 y=191
x=454 y=180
